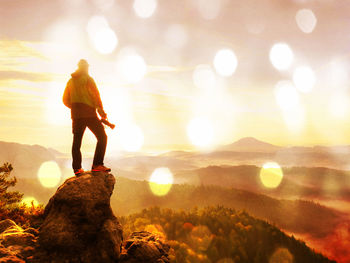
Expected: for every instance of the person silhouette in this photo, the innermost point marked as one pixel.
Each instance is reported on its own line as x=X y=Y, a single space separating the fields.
x=83 y=98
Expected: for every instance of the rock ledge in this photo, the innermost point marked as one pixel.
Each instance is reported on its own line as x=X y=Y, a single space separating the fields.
x=79 y=224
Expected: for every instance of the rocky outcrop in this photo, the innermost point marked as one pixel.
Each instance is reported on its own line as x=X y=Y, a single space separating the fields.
x=145 y=247
x=16 y=244
x=79 y=225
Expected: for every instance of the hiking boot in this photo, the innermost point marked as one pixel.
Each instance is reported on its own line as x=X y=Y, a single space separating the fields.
x=78 y=172
x=100 y=168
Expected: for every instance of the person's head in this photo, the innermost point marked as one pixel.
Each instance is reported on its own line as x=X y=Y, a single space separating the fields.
x=83 y=65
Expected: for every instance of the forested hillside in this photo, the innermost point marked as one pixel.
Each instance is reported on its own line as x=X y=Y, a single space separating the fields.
x=218 y=234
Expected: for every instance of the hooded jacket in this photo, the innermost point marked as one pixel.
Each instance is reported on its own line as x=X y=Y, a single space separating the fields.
x=81 y=96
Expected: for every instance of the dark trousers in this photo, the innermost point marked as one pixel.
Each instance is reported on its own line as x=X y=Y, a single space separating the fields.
x=78 y=128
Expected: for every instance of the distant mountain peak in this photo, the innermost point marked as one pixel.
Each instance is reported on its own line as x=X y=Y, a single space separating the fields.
x=251 y=144
x=249 y=140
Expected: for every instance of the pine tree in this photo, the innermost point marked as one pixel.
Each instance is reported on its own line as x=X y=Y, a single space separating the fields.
x=6 y=181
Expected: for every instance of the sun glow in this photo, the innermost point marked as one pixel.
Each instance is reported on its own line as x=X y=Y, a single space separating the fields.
x=49 y=174
x=161 y=181
x=286 y=95
x=204 y=77
x=64 y=32
x=339 y=105
x=294 y=119
x=131 y=137
x=56 y=111
x=200 y=132
x=288 y=100
x=167 y=67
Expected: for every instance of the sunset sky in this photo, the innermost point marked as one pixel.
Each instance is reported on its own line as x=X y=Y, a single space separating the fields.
x=187 y=75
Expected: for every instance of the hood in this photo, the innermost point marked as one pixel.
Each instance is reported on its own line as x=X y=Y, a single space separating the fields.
x=78 y=73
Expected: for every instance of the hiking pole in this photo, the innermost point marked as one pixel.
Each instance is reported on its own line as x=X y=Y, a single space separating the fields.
x=106 y=122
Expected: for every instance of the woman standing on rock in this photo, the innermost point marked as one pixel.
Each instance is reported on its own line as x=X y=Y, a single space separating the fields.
x=83 y=98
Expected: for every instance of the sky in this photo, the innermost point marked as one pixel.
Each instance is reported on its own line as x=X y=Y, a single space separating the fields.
x=178 y=75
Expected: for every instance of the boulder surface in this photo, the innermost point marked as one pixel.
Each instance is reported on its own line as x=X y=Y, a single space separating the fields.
x=79 y=225
x=145 y=247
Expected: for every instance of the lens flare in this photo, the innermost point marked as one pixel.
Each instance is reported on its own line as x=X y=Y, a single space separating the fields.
x=200 y=237
x=225 y=62
x=49 y=174
x=105 y=41
x=204 y=77
x=200 y=132
x=281 y=56
x=306 y=20
x=304 y=78
x=131 y=66
x=286 y=95
x=29 y=201
x=271 y=175
x=131 y=137
x=161 y=181
x=281 y=255
x=101 y=35
x=145 y=8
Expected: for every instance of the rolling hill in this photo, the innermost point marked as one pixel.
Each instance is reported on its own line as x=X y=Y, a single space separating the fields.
x=298 y=182
x=247 y=151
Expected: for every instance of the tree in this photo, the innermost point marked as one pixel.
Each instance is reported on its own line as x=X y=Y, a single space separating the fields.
x=7 y=181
